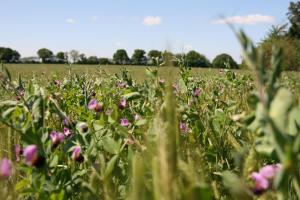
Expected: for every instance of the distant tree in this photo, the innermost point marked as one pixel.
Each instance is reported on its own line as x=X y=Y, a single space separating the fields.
x=61 y=57
x=82 y=59
x=121 y=57
x=104 y=61
x=294 y=18
x=74 y=55
x=154 y=56
x=45 y=55
x=276 y=32
x=224 y=61
x=138 y=57
x=195 y=59
x=93 y=60
x=8 y=55
x=15 y=56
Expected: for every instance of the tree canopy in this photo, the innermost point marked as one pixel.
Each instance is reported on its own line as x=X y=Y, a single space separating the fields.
x=195 y=59
x=224 y=61
x=45 y=54
x=138 y=57
x=121 y=57
x=8 y=55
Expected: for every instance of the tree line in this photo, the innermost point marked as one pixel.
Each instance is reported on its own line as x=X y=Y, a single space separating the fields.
x=286 y=36
x=120 y=57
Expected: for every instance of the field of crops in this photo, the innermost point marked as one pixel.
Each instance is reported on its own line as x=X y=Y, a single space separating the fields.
x=86 y=132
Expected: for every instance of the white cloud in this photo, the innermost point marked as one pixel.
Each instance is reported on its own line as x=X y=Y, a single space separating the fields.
x=95 y=18
x=246 y=19
x=71 y=21
x=152 y=20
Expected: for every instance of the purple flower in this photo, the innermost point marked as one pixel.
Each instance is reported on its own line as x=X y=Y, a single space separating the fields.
x=76 y=154
x=264 y=178
x=92 y=104
x=270 y=171
x=56 y=138
x=31 y=155
x=197 y=92
x=67 y=132
x=124 y=122
x=5 y=168
x=122 y=103
x=95 y=106
x=18 y=152
x=261 y=183
x=183 y=127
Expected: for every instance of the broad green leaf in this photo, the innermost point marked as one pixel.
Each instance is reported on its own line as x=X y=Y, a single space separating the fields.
x=132 y=95
x=294 y=122
x=110 y=166
x=110 y=145
x=280 y=107
x=141 y=122
x=54 y=161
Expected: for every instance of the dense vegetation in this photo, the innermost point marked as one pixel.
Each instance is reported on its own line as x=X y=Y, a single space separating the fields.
x=95 y=136
x=287 y=37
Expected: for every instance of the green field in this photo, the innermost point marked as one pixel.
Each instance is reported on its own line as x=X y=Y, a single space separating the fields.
x=137 y=72
x=43 y=72
x=163 y=143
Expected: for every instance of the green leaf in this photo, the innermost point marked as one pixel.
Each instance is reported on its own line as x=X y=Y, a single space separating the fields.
x=37 y=109
x=182 y=87
x=113 y=117
x=22 y=185
x=54 y=161
x=294 y=122
x=236 y=186
x=110 y=145
x=132 y=95
x=280 y=107
x=198 y=191
x=141 y=122
x=110 y=166
x=99 y=124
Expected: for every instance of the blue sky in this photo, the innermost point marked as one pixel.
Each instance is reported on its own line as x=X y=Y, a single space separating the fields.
x=100 y=27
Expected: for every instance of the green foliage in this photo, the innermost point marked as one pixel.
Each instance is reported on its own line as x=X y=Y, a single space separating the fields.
x=194 y=59
x=154 y=57
x=45 y=54
x=291 y=52
x=121 y=57
x=93 y=60
x=138 y=57
x=104 y=61
x=185 y=137
x=61 y=56
x=294 y=18
x=8 y=55
x=224 y=61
